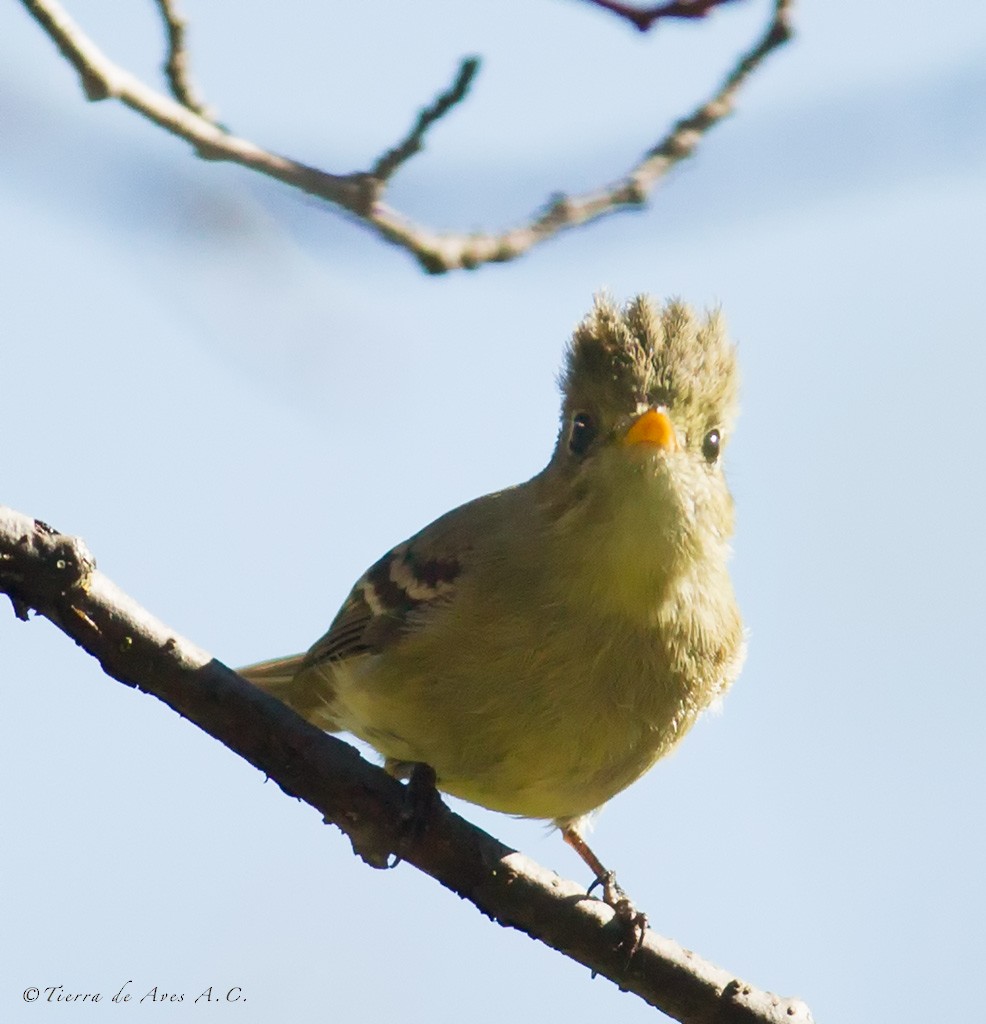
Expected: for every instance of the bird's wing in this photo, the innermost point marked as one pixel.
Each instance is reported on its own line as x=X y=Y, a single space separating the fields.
x=381 y=605
x=388 y=600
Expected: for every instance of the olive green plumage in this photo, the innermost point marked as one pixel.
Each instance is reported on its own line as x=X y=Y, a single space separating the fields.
x=543 y=646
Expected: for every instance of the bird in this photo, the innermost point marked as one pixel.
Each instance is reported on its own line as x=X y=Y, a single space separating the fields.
x=540 y=648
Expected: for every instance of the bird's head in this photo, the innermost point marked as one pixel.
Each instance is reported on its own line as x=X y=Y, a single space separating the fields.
x=649 y=402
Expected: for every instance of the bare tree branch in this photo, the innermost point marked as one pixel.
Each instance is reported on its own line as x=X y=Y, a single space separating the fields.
x=361 y=193
x=390 y=161
x=176 y=64
x=55 y=575
x=644 y=17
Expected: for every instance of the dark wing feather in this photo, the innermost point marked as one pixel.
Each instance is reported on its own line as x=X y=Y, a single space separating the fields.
x=345 y=636
x=391 y=597
x=382 y=604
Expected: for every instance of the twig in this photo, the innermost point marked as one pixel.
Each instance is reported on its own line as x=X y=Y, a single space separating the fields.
x=404 y=150
x=362 y=193
x=176 y=64
x=55 y=575
x=644 y=17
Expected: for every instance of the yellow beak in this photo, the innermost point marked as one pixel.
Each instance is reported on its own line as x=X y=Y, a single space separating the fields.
x=652 y=427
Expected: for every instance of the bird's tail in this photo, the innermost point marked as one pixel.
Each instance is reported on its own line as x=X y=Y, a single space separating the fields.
x=275 y=676
x=307 y=693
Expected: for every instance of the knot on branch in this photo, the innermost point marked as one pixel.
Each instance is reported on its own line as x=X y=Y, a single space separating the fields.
x=56 y=564
x=740 y=1003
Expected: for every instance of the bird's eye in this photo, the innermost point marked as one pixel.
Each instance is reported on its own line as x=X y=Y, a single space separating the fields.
x=710 y=445
x=583 y=433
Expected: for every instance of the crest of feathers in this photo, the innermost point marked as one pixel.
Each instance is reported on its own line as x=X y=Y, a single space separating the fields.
x=655 y=356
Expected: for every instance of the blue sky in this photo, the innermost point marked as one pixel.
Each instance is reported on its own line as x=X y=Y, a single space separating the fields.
x=241 y=400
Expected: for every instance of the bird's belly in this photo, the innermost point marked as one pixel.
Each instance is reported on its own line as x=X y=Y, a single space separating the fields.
x=544 y=734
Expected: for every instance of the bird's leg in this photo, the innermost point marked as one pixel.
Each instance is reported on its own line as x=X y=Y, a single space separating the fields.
x=420 y=798
x=635 y=921
x=607 y=879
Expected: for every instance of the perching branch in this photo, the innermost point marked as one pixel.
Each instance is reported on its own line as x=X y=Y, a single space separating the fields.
x=55 y=575
x=361 y=193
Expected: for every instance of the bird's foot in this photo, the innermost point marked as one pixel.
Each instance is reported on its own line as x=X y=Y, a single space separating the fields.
x=632 y=921
x=420 y=798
